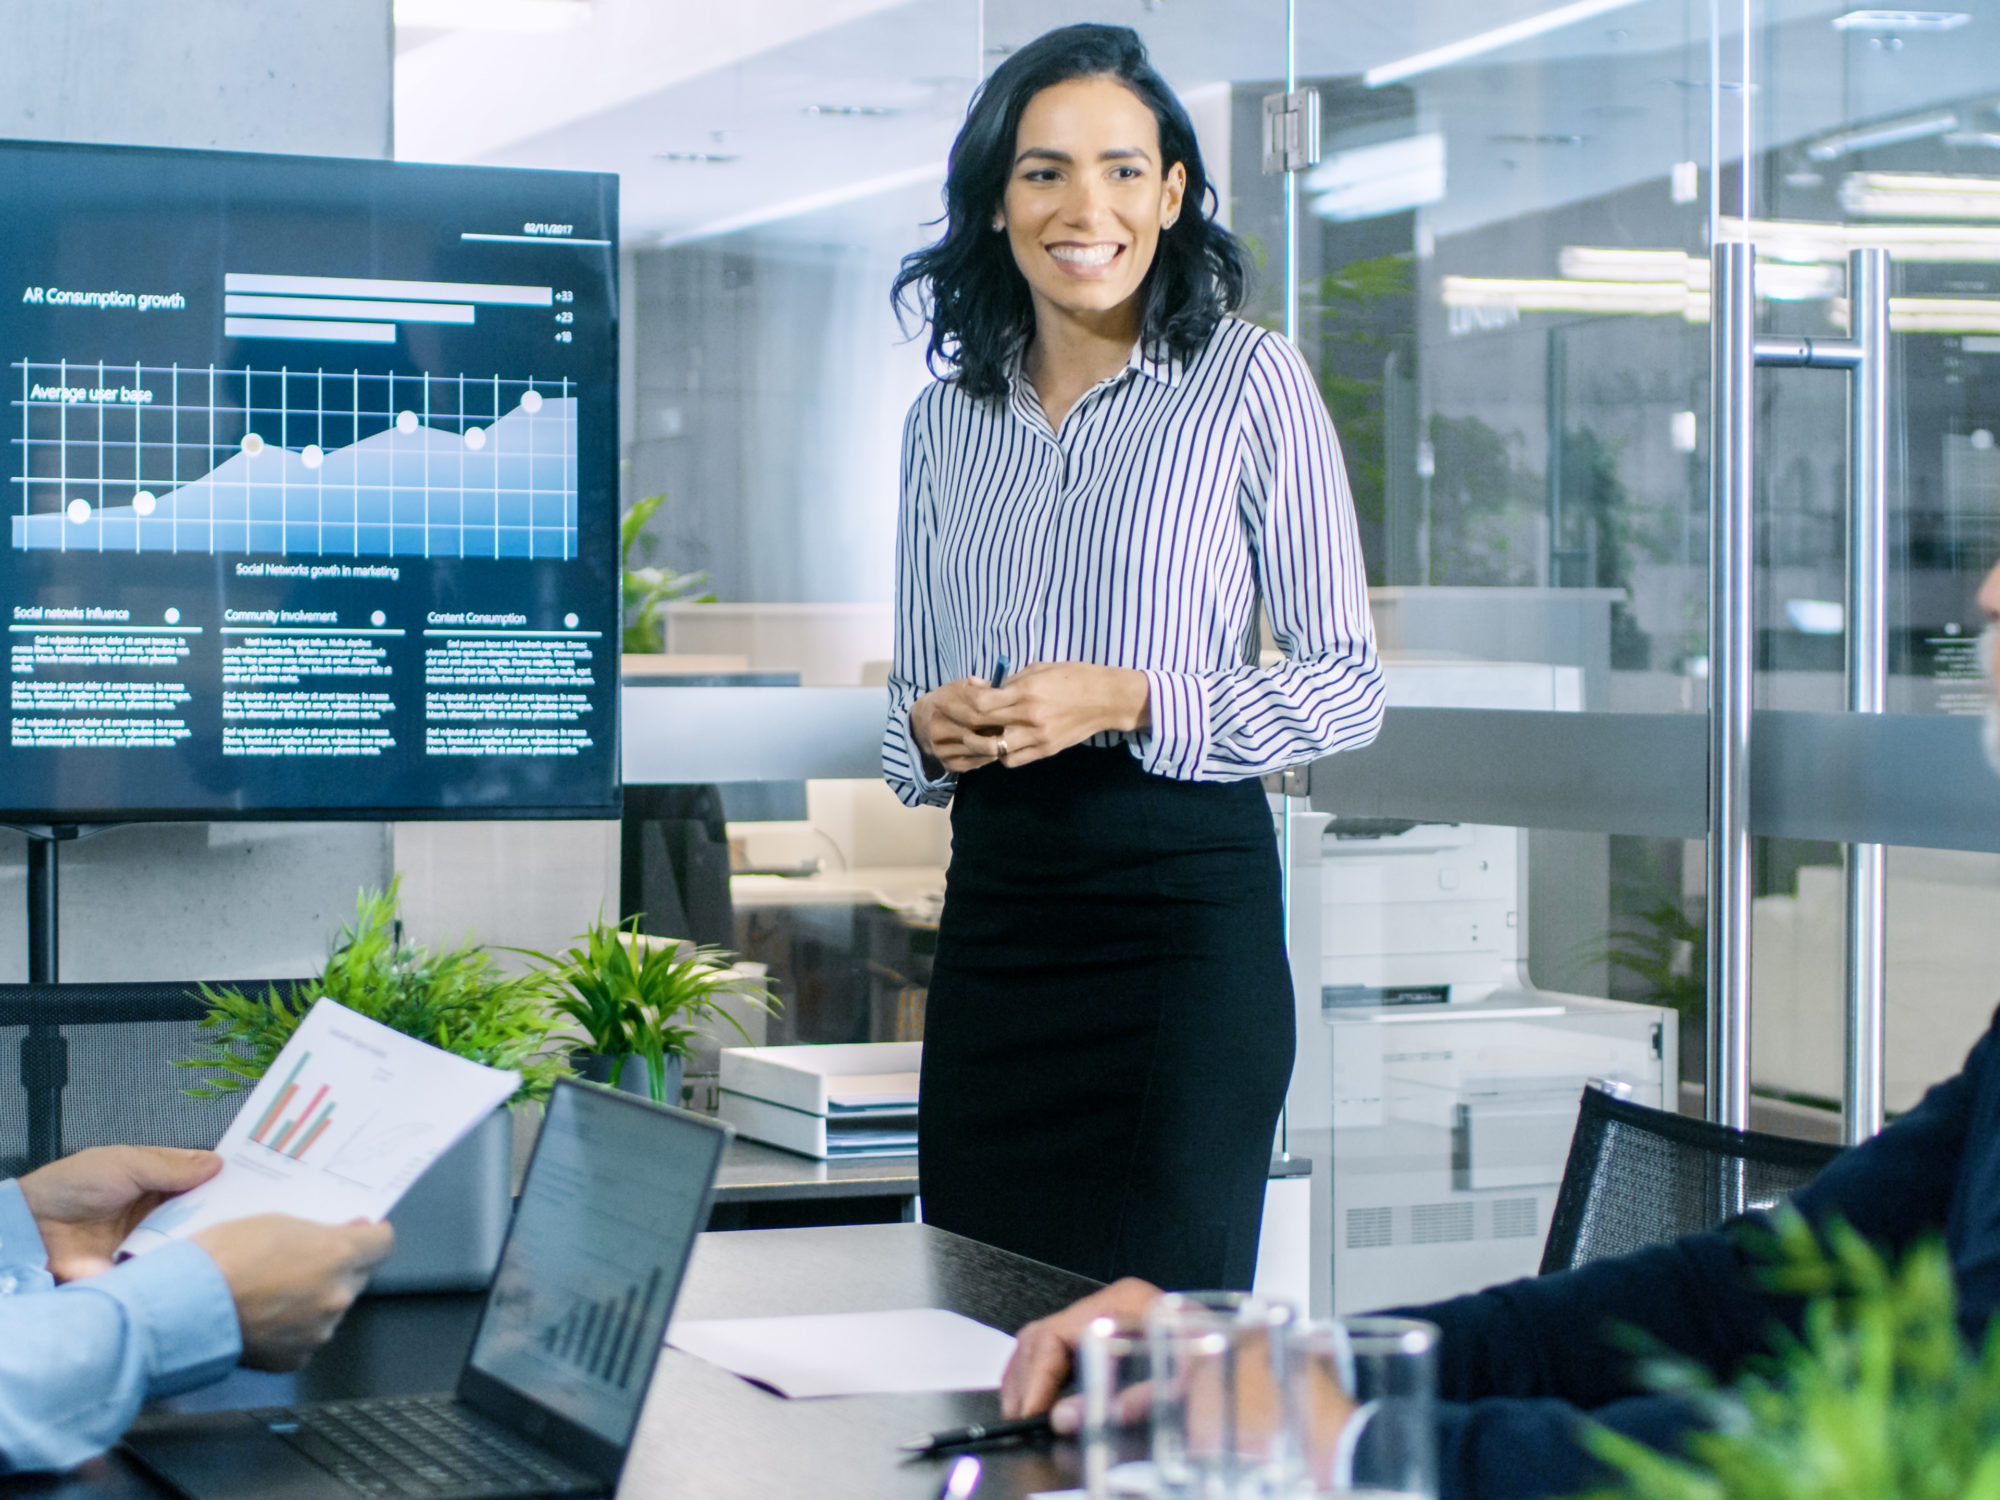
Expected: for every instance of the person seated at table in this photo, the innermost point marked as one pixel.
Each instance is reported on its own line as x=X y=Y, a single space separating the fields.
x=84 y=1342
x=1520 y=1364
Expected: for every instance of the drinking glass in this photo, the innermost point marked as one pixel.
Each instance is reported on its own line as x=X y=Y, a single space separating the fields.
x=1364 y=1396
x=1222 y=1429
x=1116 y=1366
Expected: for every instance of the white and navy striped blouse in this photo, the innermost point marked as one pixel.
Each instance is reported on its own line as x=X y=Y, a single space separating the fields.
x=1145 y=533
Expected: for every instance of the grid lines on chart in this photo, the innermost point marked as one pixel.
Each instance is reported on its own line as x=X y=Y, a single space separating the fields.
x=335 y=463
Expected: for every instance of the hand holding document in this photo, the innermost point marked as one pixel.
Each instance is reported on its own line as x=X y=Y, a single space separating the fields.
x=348 y=1116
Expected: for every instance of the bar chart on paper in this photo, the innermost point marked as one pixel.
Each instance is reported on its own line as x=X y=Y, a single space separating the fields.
x=327 y=463
x=289 y=1127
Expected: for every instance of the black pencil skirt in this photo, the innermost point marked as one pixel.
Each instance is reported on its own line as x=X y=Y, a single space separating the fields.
x=1108 y=1036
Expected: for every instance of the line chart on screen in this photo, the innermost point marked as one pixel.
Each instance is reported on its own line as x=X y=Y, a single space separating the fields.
x=337 y=463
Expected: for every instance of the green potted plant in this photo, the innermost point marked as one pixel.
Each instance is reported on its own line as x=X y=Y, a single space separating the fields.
x=650 y=587
x=1880 y=1399
x=450 y=1224
x=645 y=1000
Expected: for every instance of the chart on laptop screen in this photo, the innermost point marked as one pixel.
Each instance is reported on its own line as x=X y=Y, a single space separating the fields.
x=310 y=485
x=580 y=1303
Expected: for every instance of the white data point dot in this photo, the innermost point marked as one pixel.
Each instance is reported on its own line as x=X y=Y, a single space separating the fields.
x=406 y=421
x=78 y=511
x=252 y=444
x=378 y=618
x=311 y=456
x=531 y=401
x=475 y=438
x=173 y=617
x=569 y=622
x=143 y=503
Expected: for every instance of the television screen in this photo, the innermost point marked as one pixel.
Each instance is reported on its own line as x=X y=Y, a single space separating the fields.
x=311 y=486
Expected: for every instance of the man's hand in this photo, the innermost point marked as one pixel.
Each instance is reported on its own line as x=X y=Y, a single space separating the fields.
x=292 y=1280
x=86 y=1204
x=1046 y=1349
x=1041 y=710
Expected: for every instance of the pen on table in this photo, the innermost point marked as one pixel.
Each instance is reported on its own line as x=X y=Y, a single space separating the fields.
x=979 y=1432
x=961 y=1479
x=1000 y=669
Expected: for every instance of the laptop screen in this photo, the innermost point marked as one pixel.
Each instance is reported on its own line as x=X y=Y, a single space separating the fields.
x=613 y=1200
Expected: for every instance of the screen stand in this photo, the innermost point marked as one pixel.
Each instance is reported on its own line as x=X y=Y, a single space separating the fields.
x=44 y=1049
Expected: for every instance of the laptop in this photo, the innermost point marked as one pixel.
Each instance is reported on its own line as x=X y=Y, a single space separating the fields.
x=570 y=1332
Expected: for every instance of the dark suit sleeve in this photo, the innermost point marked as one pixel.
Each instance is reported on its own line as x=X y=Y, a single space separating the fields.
x=1519 y=1364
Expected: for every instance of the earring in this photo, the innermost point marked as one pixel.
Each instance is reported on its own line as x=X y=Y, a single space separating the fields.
x=999 y=225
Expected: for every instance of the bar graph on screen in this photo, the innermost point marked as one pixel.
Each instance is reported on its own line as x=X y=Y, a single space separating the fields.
x=333 y=463
x=602 y=1338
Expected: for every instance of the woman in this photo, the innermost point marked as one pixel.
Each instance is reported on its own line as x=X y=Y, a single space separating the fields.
x=1112 y=478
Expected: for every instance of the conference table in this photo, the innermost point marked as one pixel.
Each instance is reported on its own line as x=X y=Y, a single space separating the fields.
x=706 y=1434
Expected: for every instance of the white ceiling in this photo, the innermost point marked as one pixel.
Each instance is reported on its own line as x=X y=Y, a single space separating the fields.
x=1615 y=100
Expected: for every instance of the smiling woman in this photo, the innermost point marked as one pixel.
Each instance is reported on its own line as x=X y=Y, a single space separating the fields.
x=1108 y=480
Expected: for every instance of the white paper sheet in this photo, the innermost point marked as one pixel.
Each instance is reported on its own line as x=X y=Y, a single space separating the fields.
x=853 y=1354
x=349 y=1115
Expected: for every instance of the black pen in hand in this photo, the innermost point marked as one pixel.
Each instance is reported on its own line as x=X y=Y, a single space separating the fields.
x=979 y=1432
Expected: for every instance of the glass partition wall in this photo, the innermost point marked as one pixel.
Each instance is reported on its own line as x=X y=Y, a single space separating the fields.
x=1500 y=267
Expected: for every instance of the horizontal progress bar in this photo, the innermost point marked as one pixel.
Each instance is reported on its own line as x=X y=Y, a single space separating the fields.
x=306 y=328
x=592 y=634
x=530 y=239
x=108 y=629
x=407 y=291
x=302 y=630
x=348 y=307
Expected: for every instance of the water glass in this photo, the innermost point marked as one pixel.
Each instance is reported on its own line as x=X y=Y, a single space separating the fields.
x=1222 y=1428
x=1115 y=1366
x=1386 y=1370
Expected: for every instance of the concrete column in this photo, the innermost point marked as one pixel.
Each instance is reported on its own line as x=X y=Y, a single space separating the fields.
x=192 y=900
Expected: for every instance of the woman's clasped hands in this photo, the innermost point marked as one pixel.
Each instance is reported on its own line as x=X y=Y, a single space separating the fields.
x=1042 y=709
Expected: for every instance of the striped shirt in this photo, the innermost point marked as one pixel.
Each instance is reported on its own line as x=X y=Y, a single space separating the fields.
x=1173 y=501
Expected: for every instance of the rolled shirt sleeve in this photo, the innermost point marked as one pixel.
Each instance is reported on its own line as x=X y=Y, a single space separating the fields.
x=77 y=1361
x=915 y=668
x=1326 y=695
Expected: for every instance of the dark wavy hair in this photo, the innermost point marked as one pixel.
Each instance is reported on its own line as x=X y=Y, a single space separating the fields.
x=967 y=287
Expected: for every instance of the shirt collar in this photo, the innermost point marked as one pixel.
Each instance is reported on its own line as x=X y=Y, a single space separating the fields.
x=1159 y=363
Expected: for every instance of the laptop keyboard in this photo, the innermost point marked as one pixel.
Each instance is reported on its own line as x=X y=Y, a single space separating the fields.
x=429 y=1448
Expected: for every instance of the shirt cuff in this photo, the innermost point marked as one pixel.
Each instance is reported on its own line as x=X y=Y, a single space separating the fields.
x=1175 y=743
x=934 y=792
x=176 y=1299
x=24 y=1259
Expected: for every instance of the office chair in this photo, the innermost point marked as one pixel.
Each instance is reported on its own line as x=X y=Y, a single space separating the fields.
x=96 y=1069
x=1638 y=1177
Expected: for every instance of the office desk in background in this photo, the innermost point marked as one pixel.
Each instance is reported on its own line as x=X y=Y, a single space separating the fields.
x=705 y=1434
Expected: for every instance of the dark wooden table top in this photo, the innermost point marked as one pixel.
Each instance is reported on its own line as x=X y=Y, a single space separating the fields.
x=705 y=1434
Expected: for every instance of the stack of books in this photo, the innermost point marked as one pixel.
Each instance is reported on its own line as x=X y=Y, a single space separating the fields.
x=837 y=1103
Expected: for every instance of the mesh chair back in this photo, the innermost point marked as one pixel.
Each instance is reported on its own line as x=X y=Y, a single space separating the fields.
x=1638 y=1177
x=93 y=1065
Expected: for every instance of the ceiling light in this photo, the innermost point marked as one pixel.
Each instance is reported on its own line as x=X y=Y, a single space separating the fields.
x=1816 y=616
x=1367 y=182
x=1986 y=138
x=1604 y=263
x=1804 y=240
x=1490 y=41
x=1888 y=133
x=1670 y=298
x=1901 y=20
x=493 y=15
x=709 y=157
x=852 y=111
x=1920 y=195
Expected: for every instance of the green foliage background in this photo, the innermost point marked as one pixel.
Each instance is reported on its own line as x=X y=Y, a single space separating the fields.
x=457 y=1000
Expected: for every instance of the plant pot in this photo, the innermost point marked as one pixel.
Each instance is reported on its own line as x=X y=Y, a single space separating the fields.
x=452 y=1221
x=595 y=1067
